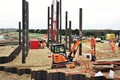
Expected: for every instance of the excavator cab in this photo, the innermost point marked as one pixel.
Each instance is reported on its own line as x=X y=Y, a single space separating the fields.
x=59 y=56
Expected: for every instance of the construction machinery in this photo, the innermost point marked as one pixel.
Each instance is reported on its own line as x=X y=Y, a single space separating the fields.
x=110 y=36
x=59 y=57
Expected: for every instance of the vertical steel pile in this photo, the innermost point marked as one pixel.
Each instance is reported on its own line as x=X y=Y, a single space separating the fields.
x=48 y=26
x=57 y=25
x=39 y=75
x=19 y=33
x=25 y=23
x=27 y=28
x=60 y=21
x=66 y=25
x=70 y=35
x=79 y=77
x=23 y=31
x=52 y=23
x=80 y=30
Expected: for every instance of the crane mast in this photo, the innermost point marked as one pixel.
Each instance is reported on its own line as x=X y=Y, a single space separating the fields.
x=54 y=2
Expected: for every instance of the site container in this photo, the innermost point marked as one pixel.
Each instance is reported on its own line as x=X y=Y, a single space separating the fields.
x=34 y=43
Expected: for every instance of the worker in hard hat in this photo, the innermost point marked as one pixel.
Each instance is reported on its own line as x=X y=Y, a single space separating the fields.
x=112 y=45
x=119 y=46
x=93 y=43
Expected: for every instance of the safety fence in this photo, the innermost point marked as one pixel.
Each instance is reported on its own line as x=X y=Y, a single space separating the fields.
x=11 y=57
x=44 y=75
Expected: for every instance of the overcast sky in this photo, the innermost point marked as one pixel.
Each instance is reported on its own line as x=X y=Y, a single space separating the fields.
x=97 y=14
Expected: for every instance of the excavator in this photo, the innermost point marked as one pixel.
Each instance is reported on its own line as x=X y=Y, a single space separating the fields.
x=59 y=56
x=61 y=59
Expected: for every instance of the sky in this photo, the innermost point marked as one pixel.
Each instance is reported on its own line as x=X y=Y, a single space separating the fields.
x=97 y=14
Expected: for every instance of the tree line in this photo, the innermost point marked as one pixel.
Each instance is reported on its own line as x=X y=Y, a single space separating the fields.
x=76 y=32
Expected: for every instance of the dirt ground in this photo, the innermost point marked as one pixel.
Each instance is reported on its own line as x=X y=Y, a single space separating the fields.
x=6 y=50
x=37 y=59
x=9 y=76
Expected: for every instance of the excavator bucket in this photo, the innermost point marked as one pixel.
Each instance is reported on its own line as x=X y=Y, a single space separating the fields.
x=72 y=65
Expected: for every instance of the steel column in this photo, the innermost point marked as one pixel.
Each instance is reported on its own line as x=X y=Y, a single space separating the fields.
x=80 y=30
x=70 y=23
x=66 y=29
x=48 y=36
x=19 y=33
x=57 y=25
x=27 y=28
x=23 y=30
x=52 y=23
x=60 y=21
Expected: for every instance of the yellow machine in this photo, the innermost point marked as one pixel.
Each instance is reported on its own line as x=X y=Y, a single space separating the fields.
x=110 y=36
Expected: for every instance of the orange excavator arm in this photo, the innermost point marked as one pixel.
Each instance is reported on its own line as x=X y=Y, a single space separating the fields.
x=73 y=51
x=75 y=46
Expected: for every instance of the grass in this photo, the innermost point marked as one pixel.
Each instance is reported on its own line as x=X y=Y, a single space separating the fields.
x=30 y=34
x=36 y=34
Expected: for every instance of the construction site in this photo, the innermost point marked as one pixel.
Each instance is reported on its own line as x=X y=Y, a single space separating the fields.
x=52 y=56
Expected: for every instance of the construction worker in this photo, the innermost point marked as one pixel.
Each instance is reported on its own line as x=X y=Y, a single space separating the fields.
x=112 y=45
x=119 y=46
x=42 y=44
x=93 y=43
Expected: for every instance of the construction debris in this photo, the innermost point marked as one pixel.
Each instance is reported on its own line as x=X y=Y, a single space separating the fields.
x=106 y=65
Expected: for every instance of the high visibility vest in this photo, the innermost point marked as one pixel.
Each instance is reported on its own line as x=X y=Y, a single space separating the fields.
x=112 y=44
